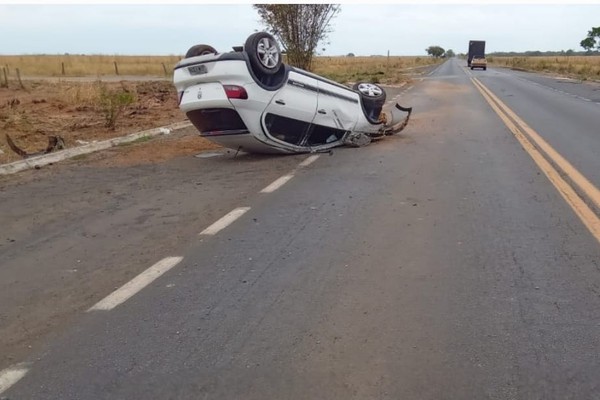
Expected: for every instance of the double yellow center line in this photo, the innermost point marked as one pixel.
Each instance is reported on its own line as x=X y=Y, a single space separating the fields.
x=545 y=156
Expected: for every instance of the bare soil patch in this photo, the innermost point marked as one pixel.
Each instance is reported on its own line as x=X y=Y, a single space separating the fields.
x=76 y=112
x=186 y=142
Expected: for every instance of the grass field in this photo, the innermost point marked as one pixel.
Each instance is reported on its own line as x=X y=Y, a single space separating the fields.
x=581 y=67
x=372 y=69
x=340 y=69
x=92 y=65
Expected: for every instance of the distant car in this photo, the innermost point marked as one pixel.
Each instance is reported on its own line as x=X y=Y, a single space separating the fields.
x=249 y=100
x=479 y=62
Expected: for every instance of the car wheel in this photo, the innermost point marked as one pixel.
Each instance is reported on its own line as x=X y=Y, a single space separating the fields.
x=200 y=50
x=485 y=68
x=264 y=53
x=373 y=98
x=371 y=93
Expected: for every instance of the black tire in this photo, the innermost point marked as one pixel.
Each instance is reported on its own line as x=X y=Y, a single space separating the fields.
x=371 y=93
x=485 y=68
x=200 y=50
x=471 y=68
x=373 y=98
x=264 y=53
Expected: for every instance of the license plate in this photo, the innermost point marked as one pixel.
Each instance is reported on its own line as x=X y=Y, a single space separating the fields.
x=197 y=69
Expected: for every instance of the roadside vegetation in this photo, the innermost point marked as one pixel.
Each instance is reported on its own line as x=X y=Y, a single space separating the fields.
x=85 y=110
x=81 y=112
x=113 y=103
x=299 y=28
x=87 y=65
x=579 y=67
x=378 y=69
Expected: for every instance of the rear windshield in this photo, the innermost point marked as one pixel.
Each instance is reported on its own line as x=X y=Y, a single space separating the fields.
x=216 y=120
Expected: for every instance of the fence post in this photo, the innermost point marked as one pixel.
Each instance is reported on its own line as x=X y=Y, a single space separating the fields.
x=116 y=68
x=164 y=68
x=63 y=68
x=5 y=84
x=388 y=62
x=19 y=78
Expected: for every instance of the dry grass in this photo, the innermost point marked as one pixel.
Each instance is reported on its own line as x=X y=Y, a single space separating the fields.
x=581 y=67
x=341 y=69
x=373 y=69
x=92 y=65
x=84 y=111
x=76 y=110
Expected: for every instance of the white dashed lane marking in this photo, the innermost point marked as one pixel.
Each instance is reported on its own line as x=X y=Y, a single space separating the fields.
x=136 y=284
x=282 y=180
x=279 y=182
x=10 y=376
x=225 y=221
x=309 y=161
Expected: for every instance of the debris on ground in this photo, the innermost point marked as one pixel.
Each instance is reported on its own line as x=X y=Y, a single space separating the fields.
x=74 y=111
x=54 y=143
x=357 y=139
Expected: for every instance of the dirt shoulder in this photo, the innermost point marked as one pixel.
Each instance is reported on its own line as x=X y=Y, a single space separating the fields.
x=80 y=112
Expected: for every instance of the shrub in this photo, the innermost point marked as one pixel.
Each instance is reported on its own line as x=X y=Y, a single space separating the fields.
x=113 y=102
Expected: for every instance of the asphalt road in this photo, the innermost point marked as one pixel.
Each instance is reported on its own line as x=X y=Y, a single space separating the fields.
x=438 y=264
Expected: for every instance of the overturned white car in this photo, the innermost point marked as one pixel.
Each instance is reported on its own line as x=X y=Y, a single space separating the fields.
x=249 y=100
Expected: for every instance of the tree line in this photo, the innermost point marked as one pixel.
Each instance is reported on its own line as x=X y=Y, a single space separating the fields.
x=591 y=44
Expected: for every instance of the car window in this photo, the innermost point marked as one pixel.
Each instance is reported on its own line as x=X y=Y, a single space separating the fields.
x=286 y=129
x=320 y=135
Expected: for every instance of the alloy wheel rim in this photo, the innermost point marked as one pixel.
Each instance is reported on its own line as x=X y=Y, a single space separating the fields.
x=368 y=89
x=268 y=53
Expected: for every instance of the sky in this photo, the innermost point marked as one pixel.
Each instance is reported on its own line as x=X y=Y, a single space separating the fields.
x=363 y=29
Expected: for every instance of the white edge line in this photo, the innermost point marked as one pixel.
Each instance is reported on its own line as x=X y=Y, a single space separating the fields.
x=225 y=221
x=279 y=182
x=12 y=375
x=309 y=161
x=132 y=287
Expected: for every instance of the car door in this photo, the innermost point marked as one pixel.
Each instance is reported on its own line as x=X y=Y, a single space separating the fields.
x=337 y=113
x=289 y=115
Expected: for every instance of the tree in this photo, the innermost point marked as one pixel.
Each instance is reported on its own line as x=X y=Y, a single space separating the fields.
x=592 y=40
x=435 y=51
x=298 y=27
x=350 y=55
x=449 y=53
